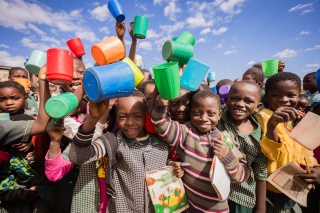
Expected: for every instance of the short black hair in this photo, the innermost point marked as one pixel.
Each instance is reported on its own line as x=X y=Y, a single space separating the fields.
x=6 y=84
x=256 y=72
x=137 y=93
x=282 y=76
x=13 y=69
x=206 y=94
x=248 y=82
x=143 y=85
x=311 y=74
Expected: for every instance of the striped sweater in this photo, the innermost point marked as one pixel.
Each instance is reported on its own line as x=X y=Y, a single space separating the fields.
x=194 y=147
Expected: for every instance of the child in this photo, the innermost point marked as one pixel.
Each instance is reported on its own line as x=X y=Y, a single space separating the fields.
x=238 y=120
x=282 y=95
x=310 y=85
x=131 y=152
x=302 y=103
x=179 y=108
x=192 y=140
x=255 y=74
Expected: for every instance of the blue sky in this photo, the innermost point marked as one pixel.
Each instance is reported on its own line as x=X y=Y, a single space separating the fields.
x=230 y=34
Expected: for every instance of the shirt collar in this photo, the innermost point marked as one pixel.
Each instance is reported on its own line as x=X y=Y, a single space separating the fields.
x=132 y=141
x=256 y=133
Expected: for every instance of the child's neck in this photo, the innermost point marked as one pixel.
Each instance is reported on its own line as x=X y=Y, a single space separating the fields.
x=313 y=90
x=244 y=125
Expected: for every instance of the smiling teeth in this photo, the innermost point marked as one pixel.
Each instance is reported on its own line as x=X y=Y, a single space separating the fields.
x=239 y=111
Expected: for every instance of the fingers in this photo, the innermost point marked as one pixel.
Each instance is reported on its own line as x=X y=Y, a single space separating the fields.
x=178 y=171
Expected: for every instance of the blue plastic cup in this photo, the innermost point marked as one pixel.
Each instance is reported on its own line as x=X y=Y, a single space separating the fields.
x=193 y=75
x=116 y=10
x=211 y=76
x=109 y=81
x=4 y=116
x=214 y=89
x=318 y=79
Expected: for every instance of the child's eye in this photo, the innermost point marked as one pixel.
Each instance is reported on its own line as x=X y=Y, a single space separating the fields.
x=138 y=116
x=211 y=113
x=122 y=117
x=186 y=103
x=173 y=104
x=196 y=113
x=16 y=98
x=80 y=72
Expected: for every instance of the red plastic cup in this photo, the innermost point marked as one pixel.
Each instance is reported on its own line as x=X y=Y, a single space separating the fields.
x=59 y=66
x=76 y=47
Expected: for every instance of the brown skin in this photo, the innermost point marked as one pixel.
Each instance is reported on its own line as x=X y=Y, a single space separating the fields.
x=179 y=108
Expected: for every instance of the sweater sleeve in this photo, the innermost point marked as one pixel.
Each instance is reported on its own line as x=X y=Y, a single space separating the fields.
x=169 y=130
x=57 y=167
x=83 y=150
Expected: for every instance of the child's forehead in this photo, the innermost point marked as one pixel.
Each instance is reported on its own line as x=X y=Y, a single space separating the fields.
x=9 y=91
x=131 y=103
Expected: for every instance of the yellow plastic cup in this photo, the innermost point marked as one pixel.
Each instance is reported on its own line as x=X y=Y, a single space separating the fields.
x=138 y=75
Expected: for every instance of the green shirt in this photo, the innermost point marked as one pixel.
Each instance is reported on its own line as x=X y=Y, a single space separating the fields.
x=244 y=193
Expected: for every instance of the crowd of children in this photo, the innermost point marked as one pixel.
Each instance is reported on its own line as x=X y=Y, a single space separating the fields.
x=95 y=159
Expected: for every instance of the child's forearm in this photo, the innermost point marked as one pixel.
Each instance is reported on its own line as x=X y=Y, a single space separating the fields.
x=133 y=47
x=238 y=171
x=56 y=167
x=261 y=193
x=54 y=149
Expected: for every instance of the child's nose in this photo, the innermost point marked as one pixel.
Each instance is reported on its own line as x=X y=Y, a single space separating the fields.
x=181 y=108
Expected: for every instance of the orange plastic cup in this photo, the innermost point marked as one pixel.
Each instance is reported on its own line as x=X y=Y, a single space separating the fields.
x=108 y=51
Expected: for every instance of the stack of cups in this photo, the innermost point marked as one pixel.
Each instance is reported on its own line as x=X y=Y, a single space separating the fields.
x=108 y=51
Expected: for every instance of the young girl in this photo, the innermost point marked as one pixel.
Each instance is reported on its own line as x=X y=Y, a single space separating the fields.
x=193 y=140
x=238 y=120
x=282 y=96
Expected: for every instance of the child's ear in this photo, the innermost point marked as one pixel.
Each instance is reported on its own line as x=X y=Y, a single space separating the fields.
x=259 y=107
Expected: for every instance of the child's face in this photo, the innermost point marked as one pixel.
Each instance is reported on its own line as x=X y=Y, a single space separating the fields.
x=18 y=74
x=149 y=91
x=179 y=108
x=78 y=71
x=242 y=101
x=11 y=100
x=309 y=83
x=205 y=114
x=302 y=104
x=283 y=93
x=131 y=116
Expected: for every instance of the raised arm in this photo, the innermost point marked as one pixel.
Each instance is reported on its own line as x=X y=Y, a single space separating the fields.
x=133 y=46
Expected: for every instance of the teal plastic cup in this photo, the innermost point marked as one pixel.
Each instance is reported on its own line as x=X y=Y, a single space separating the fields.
x=187 y=38
x=177 y=51
x=60 y=106
x=140 y=27
x=211 y=76
x=4 y=116
x=193 y=75
x=167 y=80
x=36 y=61
x=270 y=67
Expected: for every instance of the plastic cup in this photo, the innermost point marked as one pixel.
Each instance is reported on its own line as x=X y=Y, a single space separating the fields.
x=60 y=106
x=59 y=66
x=36 y=61
x=175 y=38
x=187 y=38
x=140 y=27
x=167 y=80
x=223 y=92
x=76 y=47
x=177 y=51
x=318 y=79
x=211 y=76
x=109 y=81
x=108 y=51
x=116 y=10
x=193 y=75
x=214 y=89
x=138 y=75
x=4 y=116
x=270 y=67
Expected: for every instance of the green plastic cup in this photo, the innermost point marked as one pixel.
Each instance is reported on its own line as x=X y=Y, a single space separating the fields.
x=140 y=27
x=60 y=106
x=187 y=38
x=167 y=80
x=177 y=51
x=270 y=67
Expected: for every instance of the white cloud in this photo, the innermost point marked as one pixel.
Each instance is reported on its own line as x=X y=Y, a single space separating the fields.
x=35 y=29
x=9 y=60
x=152 y=34
x=76 y=13
x=172 y=28
x=307 y=11
x=304 y=33
x=87 y=35
x=104 y=30
x=145 y=45
x=250 y=63
x=201 y=40
x=219 y=31
x=35 y=45
x=155 y=2
x=219 y=46
x=317 y=65
x=287 y=53
x=316 y=47
x=101 y=13
x=199 y=21
x=148 y=15
x=205 y=31
x=141 y=6
x=52 y=40
x=172 y=9
x=300 y=7
x=4 y=46
x=229 y=52
x=231 y=6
